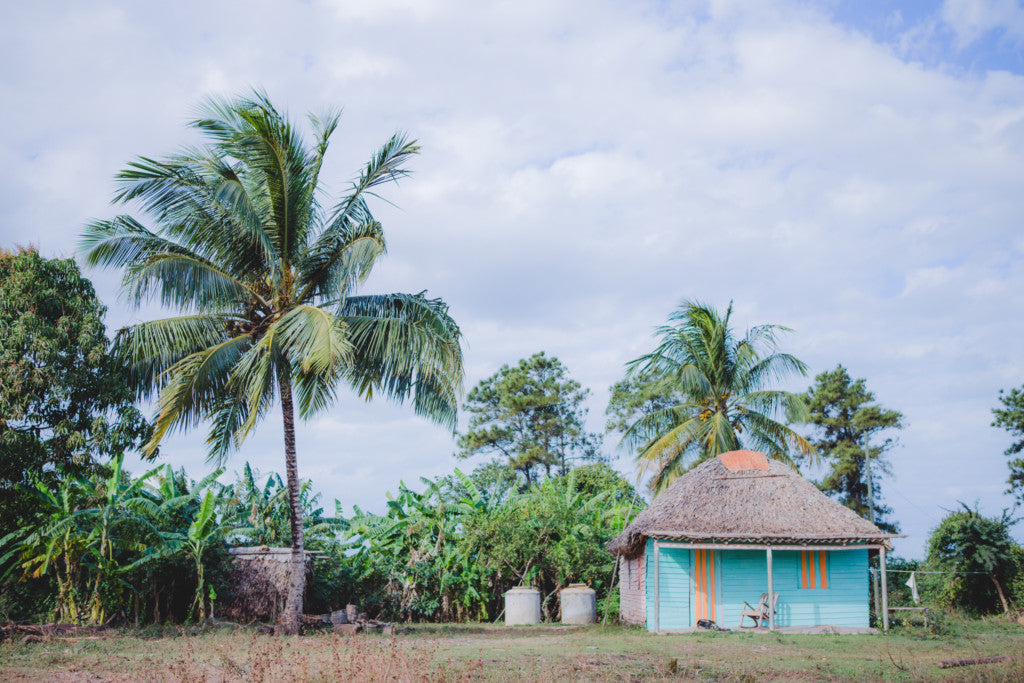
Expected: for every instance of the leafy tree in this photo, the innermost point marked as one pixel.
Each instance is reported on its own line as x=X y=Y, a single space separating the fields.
x=707 y=392
x=549 y=537
x=64 y=404
x=848 y=433
x=451 y=551
x=265 y=275
x=414 y=552
x=202 y=533
x=1011 y=418
x=967 y=541
x=119 y=523
x=532 y=416
x=638 y=396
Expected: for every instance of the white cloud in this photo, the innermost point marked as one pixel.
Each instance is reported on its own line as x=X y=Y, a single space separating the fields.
x=585 y=166
x=359 y=64
x=972 y=19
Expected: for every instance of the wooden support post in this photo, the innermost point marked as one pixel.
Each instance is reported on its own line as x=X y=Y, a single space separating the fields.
x=771 y=594
x=876 y=589
x=885 y=589
x=657 y=588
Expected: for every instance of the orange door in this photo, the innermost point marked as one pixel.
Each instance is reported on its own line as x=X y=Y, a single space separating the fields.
x=705 y=579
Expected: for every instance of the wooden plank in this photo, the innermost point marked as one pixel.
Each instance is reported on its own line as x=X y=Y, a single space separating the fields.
x=885 y=591
x=657 y=586
x=950 y=663
x=771 y=593
x=760 y=546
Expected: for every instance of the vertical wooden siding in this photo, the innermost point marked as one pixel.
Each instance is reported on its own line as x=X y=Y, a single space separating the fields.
x=674 y=587
x=844 y=602
x=742 y=575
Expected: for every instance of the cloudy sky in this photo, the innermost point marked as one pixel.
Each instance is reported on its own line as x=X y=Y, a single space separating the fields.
x=849 y=169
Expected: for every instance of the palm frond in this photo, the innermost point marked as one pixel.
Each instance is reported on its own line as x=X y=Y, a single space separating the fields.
x=194 y=387
x=340 y=259
x=149 y=349
x=186 y=281
x=199 y=199
x=406 y=345
x=384 y=166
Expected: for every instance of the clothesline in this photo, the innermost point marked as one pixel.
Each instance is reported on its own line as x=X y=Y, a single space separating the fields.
x=916 y=571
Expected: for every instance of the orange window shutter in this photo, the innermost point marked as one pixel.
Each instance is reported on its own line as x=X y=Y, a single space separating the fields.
x=822 y=562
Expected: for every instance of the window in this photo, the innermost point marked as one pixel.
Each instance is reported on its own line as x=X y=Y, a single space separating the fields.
x=814 y=569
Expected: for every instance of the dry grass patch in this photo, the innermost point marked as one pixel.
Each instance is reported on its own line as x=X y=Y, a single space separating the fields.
x=491 y=653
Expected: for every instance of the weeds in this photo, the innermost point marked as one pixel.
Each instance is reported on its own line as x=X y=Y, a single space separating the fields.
x=488 y=653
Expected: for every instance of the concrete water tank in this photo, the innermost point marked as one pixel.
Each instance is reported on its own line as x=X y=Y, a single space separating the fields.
x=579 y=604
x=522 y=606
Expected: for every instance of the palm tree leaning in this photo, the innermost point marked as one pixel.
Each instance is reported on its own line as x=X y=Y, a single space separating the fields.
x=265 y=276
x=722 y=396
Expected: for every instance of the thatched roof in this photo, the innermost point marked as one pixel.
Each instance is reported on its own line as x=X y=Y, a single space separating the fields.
x=752 y=500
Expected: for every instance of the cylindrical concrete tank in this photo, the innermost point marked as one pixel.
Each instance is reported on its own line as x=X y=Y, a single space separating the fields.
x=579 y=604
x=522 y=606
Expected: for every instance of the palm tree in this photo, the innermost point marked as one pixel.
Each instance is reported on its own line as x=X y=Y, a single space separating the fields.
x=723 y=400
x=264 y=275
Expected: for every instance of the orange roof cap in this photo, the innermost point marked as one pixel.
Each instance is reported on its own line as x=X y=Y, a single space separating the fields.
x=738 y=461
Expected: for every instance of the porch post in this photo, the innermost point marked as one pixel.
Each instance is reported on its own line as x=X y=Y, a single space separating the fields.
x=876 y=591
x=771 y=594
x=885 y=589
x=657 y=587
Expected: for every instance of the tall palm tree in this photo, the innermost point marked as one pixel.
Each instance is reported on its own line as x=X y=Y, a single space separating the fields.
x=264 y=276
x=721 y=395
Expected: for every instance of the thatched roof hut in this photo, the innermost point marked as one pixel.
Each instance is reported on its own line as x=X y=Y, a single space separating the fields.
x=739 y=526
x=742 y=497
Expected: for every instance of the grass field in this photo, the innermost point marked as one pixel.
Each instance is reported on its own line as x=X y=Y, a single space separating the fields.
x=485 y=652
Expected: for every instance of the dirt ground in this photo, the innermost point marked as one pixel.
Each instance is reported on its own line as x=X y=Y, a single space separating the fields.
x=430 y=652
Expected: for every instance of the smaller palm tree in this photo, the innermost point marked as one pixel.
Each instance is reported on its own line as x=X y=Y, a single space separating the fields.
x=723 y=395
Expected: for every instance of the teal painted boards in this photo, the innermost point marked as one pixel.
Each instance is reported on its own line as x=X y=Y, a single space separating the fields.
x=843 y=603
x=744 y=578
x=673 y=588
x=741 y=575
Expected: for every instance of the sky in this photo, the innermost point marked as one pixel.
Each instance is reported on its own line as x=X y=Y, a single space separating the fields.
x=851 y=170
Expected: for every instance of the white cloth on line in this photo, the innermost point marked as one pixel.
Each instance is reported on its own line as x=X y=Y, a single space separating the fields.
x=912 y=584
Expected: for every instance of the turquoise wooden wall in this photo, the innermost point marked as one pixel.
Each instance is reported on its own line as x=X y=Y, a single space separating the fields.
x=743 y=575
x=675 y=589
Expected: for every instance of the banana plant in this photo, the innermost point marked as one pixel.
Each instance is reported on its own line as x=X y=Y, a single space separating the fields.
x=55 y=543
x=177 y=504
x=119 y=528
x=261 y=513
x=204 y=531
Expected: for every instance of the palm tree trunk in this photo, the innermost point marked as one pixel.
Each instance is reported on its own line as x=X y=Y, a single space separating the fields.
x=291 y=618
